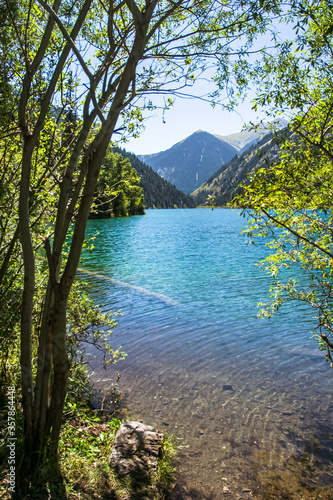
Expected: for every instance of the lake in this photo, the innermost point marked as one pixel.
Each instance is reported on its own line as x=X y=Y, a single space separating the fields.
x=250 y=400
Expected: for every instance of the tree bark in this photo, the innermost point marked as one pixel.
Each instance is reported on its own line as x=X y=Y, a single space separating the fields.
x=61 y=368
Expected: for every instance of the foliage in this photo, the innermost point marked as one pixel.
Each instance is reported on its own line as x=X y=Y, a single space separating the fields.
x=82 y=469
x=119 y=192
x=10 y=258
x=89 y=332
x=85 y=447
x=7 y=64
x=89 y=329
x=290 y=200
x=165 y=469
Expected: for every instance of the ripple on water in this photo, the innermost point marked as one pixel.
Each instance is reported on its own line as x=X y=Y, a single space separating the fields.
x=247 y=398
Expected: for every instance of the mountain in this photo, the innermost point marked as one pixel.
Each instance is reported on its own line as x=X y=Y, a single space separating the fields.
x=246 y=138
x=241 y=141
x=224 y=184
x=158 y=193
x=192 y=161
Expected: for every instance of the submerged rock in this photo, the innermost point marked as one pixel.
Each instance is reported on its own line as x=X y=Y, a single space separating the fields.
x=136 y=448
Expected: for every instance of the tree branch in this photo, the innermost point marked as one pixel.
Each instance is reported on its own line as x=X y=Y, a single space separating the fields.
x=295 y=233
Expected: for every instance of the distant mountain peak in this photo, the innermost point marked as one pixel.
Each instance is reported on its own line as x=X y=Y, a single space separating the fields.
x=193 y=160
x=248 y=136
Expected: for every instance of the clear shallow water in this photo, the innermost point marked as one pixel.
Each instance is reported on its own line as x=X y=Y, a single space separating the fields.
x=242 y=394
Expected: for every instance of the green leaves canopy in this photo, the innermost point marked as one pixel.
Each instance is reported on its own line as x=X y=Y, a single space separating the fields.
x=291 y=200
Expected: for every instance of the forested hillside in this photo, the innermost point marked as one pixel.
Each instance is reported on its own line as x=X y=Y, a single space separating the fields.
x=224 y=184
x=158 y=193
x=118 y=190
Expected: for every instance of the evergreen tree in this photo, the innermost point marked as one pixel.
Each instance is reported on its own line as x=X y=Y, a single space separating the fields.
x=118 y=191
x=158 y=193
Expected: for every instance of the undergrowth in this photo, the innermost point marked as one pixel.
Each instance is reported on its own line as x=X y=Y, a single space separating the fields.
x=82 y=471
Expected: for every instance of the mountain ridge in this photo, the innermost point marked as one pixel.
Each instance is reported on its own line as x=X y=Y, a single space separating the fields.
x=246 y=138
x=191 y=161
x=158 y=193
x=224 y=185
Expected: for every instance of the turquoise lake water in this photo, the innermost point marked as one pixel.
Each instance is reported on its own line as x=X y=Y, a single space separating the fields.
x=200 y=363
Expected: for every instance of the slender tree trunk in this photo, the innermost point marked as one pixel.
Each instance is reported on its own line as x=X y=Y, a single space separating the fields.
x=6 y=260
x=92 y=163
x=61 y=368
x=28 y=295
x=44 y=366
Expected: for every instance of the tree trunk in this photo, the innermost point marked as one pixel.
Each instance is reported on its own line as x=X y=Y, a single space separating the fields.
x=28 y=294
x=61 y=368
x=44 y=411
x=44 y=367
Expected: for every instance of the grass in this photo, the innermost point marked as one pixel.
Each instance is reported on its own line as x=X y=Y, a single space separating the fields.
x=86 y=444
x=82 y=471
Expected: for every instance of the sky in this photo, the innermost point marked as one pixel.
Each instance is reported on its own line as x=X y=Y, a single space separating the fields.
x=186 y=117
